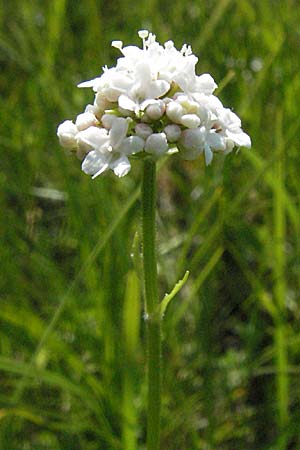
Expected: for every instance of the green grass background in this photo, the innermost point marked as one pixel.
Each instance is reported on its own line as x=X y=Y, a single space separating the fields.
x=72 y=333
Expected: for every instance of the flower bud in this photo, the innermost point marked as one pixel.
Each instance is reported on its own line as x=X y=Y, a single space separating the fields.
x=85 y=120
x=174 y=111
x=66 y=133
x=143 y=34
x=173 y=132
x=155 y=110
x=156 y=144
x=143 y=130
x=192 y=143
x=101 y=102
x=190 y=120
x=117 y=44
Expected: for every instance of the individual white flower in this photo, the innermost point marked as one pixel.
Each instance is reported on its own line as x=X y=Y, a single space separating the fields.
x=190 y=106
x=185 y=111
x=66 y=133
x=230 y=124
x=93 y=138
x=194 y=141
x=145 y=87
x=204 y=84
x=110 y=85
x=110 y=148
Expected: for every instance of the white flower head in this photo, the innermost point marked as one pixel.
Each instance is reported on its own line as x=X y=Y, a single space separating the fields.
x=150 y=101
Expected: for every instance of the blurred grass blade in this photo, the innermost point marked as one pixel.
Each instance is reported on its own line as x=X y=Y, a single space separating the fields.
x=103 y=240
x=131 y=337
x=279 y=283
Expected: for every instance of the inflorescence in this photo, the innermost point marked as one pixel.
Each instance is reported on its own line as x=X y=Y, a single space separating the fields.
x=151 y=103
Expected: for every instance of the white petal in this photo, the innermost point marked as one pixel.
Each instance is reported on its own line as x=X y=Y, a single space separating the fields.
x=158 y=89
x=182 y=81
x=118 y=132
x=215 y=141
x=95 y=163
x=126 y=103
x=112 y=93
x=131 y=51
x=107 y=120
x=132 y=144
x=121 y=166
x=93 y=136
x=242 y=139
x=143 y=73
x=208 y=154
x=90 y=83
x=206 y=84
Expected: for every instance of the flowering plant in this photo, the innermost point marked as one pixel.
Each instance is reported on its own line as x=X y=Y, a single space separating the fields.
x=151 y=103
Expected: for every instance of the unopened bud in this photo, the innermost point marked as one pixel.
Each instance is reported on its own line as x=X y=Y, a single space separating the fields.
x=143 y=130
x=66 y=133
x=85 y=120
x=156 y=110
x=192 y=143
x=173 y=132
x=156 y=144
x=190 y=120
x=174 y=111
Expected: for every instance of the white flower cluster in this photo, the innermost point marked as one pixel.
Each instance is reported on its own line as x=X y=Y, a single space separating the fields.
x=151 y=102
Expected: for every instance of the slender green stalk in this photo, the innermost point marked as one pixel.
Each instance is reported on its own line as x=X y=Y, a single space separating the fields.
x=152 y=301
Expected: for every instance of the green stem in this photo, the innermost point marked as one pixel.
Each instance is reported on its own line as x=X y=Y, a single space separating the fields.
x=152 y=301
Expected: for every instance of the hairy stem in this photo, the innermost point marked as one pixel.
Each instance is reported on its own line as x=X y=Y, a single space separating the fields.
x=152 y=301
